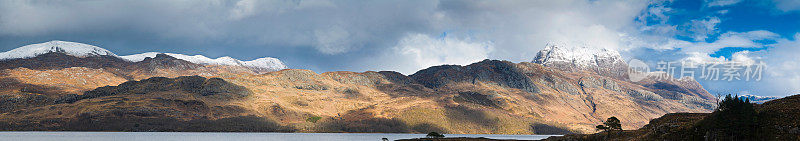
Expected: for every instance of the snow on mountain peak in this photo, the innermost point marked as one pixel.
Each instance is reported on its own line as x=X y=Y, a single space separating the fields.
x=260 y=65
x=266 y=62
x=578 y=55
x=69 y=48
x=758 y=99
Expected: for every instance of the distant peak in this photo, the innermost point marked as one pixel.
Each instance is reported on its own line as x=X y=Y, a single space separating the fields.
x=581 y=56
x=265 y=64
x=758 y=99
x=69 y=48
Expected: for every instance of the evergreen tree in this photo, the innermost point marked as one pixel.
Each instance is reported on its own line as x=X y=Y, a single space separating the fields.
x=610 y=124
x=613 y=123
x=734 y=119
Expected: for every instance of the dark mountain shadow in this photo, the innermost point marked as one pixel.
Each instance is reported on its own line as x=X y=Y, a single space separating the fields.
x=359 y=121
x=544 y=129
x=216 y=88
x=466 y=114
x=30 y=95
x=427 y=128
x=402 y=86
x=56 y=60
x=132 y=122
x=503 y=73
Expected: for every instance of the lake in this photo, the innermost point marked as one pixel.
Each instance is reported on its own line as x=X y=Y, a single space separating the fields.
x=216 y=136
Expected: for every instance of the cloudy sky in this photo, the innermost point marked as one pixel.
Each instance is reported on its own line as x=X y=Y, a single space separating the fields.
x=406 y=36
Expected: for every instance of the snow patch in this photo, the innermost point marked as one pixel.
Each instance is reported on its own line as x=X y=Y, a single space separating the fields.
x=69 y=48
x=85 y=50
x=579 y=55
x=758 y=99
x=268 y=63
x=139 y=57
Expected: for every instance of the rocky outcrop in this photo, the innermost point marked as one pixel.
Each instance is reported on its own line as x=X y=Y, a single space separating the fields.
x=163 y=61
x=196 y=85
x=502 y=73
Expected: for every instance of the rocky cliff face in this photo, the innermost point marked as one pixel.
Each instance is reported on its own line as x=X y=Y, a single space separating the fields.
x=578 y=58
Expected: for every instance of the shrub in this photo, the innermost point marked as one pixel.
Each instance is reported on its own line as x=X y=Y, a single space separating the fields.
x=434 y=135
x=313 y=119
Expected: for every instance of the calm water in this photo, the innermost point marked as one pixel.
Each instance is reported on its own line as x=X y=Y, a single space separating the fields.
x=214 y=136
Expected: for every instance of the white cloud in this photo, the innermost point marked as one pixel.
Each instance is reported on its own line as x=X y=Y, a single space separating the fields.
x=721 y=3
x=422 y=51
x=780 y=76
x=787 y=5
x=700 y=29
x=656 y=12
x=744 y=58
x=703 y=58
x=741 y=58
x=783 y=70
x=731 y=39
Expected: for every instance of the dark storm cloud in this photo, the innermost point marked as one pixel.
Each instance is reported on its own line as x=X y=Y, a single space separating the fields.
x=317 y=34
x=403 y=36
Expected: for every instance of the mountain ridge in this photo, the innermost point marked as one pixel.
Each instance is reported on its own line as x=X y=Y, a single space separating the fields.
x=495 y=96
x=80 y=50
x=69 y=48
x=264 y=64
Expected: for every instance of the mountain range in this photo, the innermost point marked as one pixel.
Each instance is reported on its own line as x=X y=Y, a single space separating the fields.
x=62 y=85
x=80 y=50
x=758 y=99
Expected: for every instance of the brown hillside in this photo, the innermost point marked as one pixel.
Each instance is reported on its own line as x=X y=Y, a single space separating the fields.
x=776 y=120
x=490 y=96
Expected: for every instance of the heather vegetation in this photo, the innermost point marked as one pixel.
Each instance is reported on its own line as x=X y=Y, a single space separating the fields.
x=734 y=119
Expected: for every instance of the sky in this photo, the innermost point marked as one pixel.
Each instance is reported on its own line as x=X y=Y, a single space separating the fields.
x=406 y=36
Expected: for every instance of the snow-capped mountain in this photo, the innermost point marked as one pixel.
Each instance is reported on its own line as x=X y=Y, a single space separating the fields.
x=758 y=99
x=573 y=57
x=259 y=65
x=581 y=56
x=69 y=48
